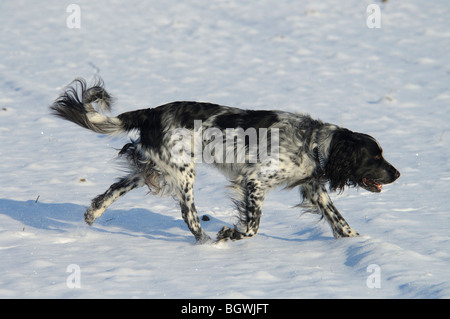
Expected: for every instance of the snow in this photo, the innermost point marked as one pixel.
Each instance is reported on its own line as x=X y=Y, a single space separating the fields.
x=320 y=58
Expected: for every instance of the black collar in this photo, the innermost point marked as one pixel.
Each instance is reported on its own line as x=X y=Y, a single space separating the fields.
x=319 y=157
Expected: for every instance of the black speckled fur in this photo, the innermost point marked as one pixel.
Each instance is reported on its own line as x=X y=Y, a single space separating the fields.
x=310 y=154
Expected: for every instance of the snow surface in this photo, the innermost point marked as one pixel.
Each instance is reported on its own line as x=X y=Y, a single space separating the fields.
x=316 y=57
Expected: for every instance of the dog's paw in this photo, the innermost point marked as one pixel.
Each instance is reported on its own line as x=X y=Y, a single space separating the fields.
x=89 y=218
x=224 y=234
x=345 y=231
x=203 y=239
x=227 y=233
x=353 y=233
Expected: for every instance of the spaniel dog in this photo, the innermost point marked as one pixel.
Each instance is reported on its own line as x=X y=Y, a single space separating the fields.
x=304 y=153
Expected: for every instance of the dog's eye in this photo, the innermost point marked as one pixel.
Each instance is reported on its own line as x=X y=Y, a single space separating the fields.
x=377 y=157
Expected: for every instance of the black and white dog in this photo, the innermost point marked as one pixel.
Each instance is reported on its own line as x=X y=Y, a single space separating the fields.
x=304 y=152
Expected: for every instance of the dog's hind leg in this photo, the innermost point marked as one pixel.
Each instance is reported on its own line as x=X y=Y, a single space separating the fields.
x=184 y=187
x=116 y=190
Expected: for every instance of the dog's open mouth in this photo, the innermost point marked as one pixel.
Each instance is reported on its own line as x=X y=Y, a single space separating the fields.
x=371 y=185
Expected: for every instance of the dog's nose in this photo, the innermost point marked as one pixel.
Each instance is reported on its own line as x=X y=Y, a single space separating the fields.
x=397 y=174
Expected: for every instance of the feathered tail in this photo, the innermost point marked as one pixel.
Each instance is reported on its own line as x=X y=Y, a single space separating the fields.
x=75 y=105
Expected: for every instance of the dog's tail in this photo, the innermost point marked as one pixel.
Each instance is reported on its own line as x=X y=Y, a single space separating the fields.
x=75 y=104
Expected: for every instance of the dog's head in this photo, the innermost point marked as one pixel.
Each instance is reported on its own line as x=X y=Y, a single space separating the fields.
x=356 y=159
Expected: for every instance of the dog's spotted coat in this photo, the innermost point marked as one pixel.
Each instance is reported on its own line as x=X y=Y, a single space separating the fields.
x=310 y=155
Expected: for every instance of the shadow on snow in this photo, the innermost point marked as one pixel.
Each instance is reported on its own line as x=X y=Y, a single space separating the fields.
x=137 y=222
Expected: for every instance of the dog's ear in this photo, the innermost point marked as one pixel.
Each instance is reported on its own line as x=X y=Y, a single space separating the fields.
x=341 y=160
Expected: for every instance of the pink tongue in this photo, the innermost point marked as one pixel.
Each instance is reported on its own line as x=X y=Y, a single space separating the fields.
x=374 y=183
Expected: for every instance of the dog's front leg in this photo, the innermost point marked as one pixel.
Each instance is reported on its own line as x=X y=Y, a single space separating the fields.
x=249 y=209
x=317 y=195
